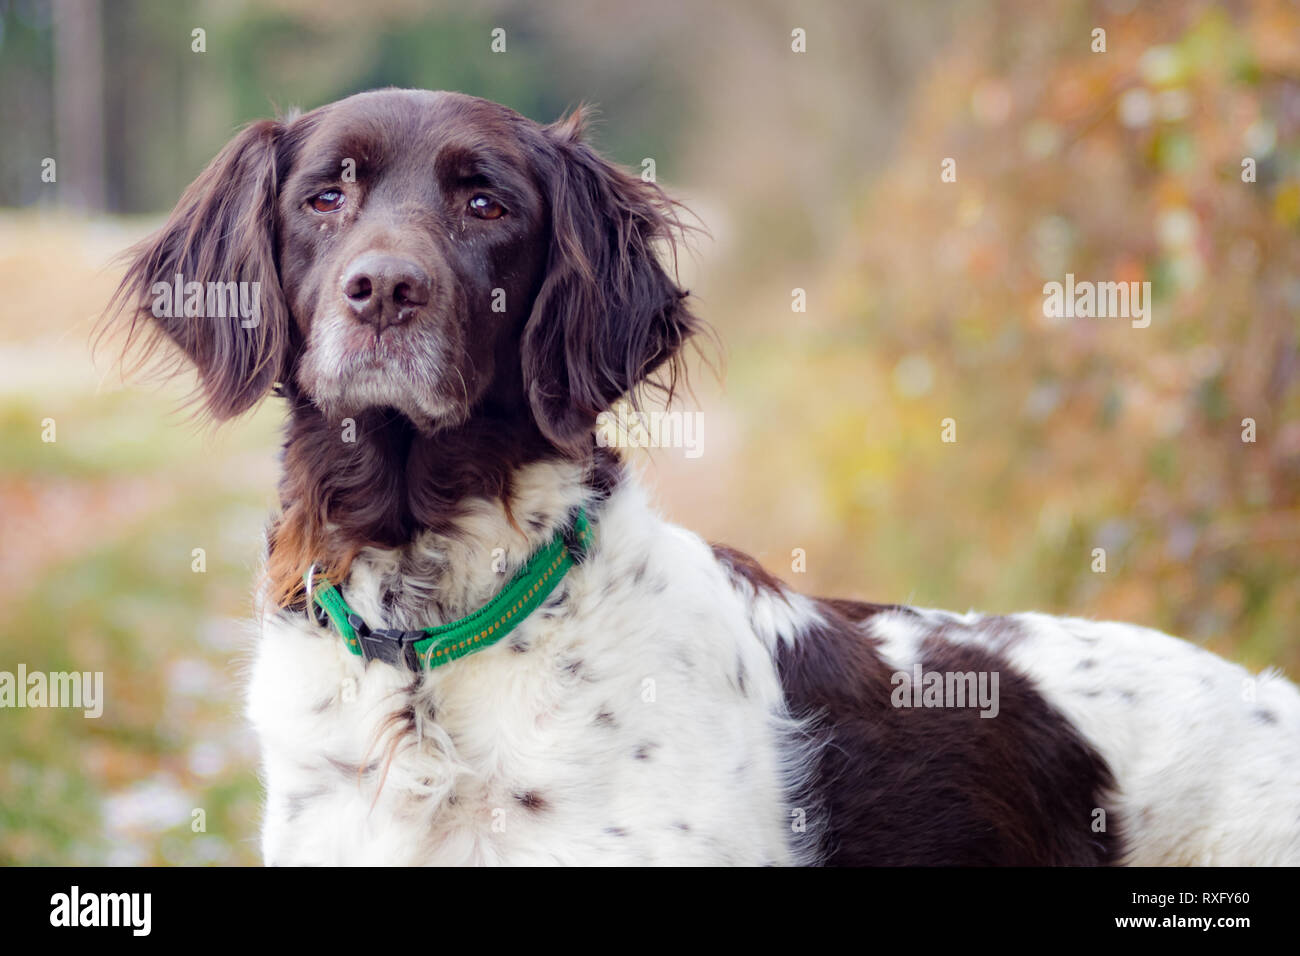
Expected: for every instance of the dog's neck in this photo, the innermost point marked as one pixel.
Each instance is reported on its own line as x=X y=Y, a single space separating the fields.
x=444 y=574
x=436 y=523
x=379 y=480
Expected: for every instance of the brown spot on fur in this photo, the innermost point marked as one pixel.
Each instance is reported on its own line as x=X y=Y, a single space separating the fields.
x=942 y=785
x=742 y=567
x=531 y=800
x=859 y=611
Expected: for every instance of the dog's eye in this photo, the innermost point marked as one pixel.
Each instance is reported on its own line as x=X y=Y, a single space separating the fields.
x=328 y=201
x=485 y=207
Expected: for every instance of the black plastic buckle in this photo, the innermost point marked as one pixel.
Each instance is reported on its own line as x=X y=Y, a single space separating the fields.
x=384 y=644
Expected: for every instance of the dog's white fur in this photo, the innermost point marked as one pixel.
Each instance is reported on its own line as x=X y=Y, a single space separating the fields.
x=620 y=736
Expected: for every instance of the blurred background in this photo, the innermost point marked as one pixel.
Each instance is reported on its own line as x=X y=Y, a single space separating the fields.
x=817 y=171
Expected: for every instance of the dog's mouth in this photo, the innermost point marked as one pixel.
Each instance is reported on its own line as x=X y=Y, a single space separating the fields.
x=348 y=368
x=378 y=349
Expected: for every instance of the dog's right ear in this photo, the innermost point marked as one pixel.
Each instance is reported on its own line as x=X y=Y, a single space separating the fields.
x=208 y=281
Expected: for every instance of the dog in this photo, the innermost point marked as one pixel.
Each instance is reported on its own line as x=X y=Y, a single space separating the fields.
x=480 y=644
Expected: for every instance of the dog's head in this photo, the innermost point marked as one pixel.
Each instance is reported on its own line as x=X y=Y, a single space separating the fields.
x=430 y=253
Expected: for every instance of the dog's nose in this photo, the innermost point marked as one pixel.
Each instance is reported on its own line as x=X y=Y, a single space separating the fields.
x=383 y=290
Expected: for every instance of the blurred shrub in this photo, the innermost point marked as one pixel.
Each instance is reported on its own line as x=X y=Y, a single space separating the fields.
x=1075 y=434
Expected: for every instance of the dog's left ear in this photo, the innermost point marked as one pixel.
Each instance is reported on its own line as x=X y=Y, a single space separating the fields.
x=608 y=314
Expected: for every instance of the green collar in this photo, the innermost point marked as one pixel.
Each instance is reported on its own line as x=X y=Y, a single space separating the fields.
x=434 y=646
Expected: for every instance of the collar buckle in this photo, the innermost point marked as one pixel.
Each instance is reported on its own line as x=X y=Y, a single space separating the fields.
x=386 y=644
x=529 y=588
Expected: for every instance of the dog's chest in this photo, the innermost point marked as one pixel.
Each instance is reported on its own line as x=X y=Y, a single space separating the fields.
x=602 y=730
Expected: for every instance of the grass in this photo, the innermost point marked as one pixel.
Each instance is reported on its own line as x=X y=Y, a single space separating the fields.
x=97 y=538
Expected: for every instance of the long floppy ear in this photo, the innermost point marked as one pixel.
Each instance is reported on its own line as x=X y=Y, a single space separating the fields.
x=608 y=314
x=234 y=324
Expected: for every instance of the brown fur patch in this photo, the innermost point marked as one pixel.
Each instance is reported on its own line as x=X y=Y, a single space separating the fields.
x=938 y=786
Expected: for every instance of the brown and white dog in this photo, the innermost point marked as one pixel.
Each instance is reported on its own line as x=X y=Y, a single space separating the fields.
x=447 y=295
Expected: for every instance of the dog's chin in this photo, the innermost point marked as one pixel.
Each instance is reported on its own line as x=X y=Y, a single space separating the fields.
x=399 y=372
x=427 y=414
x=372 y=389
